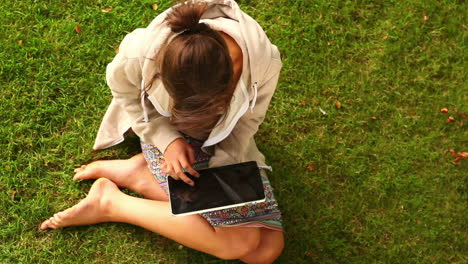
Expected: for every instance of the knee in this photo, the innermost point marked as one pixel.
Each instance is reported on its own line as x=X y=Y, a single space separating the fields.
x=242 y=245
x=271 y=253
x=269 y=250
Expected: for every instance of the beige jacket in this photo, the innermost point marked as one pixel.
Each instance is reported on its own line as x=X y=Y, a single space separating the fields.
x=141 y=102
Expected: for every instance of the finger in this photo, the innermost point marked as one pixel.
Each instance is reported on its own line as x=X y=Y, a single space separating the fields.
x=186 y=179
x=181 y=175
x=189 y=169
x=168 y=169
x=163 y=167
x=188 y=166
x=191 y=155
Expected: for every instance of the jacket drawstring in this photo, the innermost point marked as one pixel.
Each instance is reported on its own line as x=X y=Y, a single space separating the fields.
x=265 y=167
x=254 y=99
x=142 y=98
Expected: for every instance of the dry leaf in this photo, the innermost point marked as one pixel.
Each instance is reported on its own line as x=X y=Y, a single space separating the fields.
x=20 y=42
x=457 y=160
x=450 y=119
x=385 y=37
x=374 y=118
x=13 y=194
x=444 y=110
x=464 y=155
x=303 y=102
x=78 y=29
x=452 y=152
x=425 y=18
x=338 y=104
x=418 y=222
x=155 y=6
x=106 y=10
x=311 y=167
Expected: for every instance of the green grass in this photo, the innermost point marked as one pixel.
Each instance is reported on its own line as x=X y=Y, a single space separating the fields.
x=383 y=190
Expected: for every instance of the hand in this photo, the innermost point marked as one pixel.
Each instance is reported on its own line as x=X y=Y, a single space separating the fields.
x=179 y=155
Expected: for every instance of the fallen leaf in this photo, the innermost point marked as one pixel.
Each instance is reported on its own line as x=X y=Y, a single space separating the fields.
x=444 y=110
x=338 y=104
x=20 y=42
x=418 y=222
x=155 y=6
x=464 y=155
x=457 y=160
x=374 y=118
x=303 y=102
x=106 y=10
x=425 y=18
x=385 y=37
x=453 y=153
x=311 y=167
x=78 y=29
x=13 y=194
x=310 y=254
x=450 y=119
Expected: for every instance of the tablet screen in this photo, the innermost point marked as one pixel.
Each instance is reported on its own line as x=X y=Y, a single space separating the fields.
x=217 y=188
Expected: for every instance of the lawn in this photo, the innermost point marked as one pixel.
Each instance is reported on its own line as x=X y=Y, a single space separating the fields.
x=355 y=135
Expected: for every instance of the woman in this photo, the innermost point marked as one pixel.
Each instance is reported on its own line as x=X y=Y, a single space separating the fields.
x=194 y=86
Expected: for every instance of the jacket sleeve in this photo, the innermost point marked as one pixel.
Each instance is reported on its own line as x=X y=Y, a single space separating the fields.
x=124 y=79
x=240 y=144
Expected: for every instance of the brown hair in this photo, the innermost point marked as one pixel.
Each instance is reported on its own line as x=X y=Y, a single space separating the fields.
x=196 y=69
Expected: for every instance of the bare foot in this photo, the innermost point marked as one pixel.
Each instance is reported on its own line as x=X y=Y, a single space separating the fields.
x=131 y=174
x=117 y=171
x=93 y=209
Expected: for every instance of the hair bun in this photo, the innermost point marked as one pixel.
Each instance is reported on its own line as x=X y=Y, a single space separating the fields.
x=186 y=17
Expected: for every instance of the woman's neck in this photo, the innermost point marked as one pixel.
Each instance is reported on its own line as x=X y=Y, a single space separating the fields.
x=236 y=56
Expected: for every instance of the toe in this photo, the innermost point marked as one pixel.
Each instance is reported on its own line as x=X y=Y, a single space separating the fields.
x=45 y=225
x=80 y=174
x=81 y=168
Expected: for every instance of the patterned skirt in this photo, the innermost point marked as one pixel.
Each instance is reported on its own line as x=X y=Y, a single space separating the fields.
x=264 y=214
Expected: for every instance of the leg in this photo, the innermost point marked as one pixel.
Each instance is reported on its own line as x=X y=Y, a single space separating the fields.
x=132 y=174
x=270 y=247
x=106 y=203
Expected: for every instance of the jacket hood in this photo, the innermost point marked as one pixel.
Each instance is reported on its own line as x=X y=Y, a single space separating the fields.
x=259 y=47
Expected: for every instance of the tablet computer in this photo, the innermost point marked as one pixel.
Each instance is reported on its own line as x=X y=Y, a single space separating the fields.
x=217 y=188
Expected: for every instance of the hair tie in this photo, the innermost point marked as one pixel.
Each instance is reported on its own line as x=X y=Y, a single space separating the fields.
x=196 y=29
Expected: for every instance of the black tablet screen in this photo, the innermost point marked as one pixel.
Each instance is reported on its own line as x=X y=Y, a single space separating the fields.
x=217 y=187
